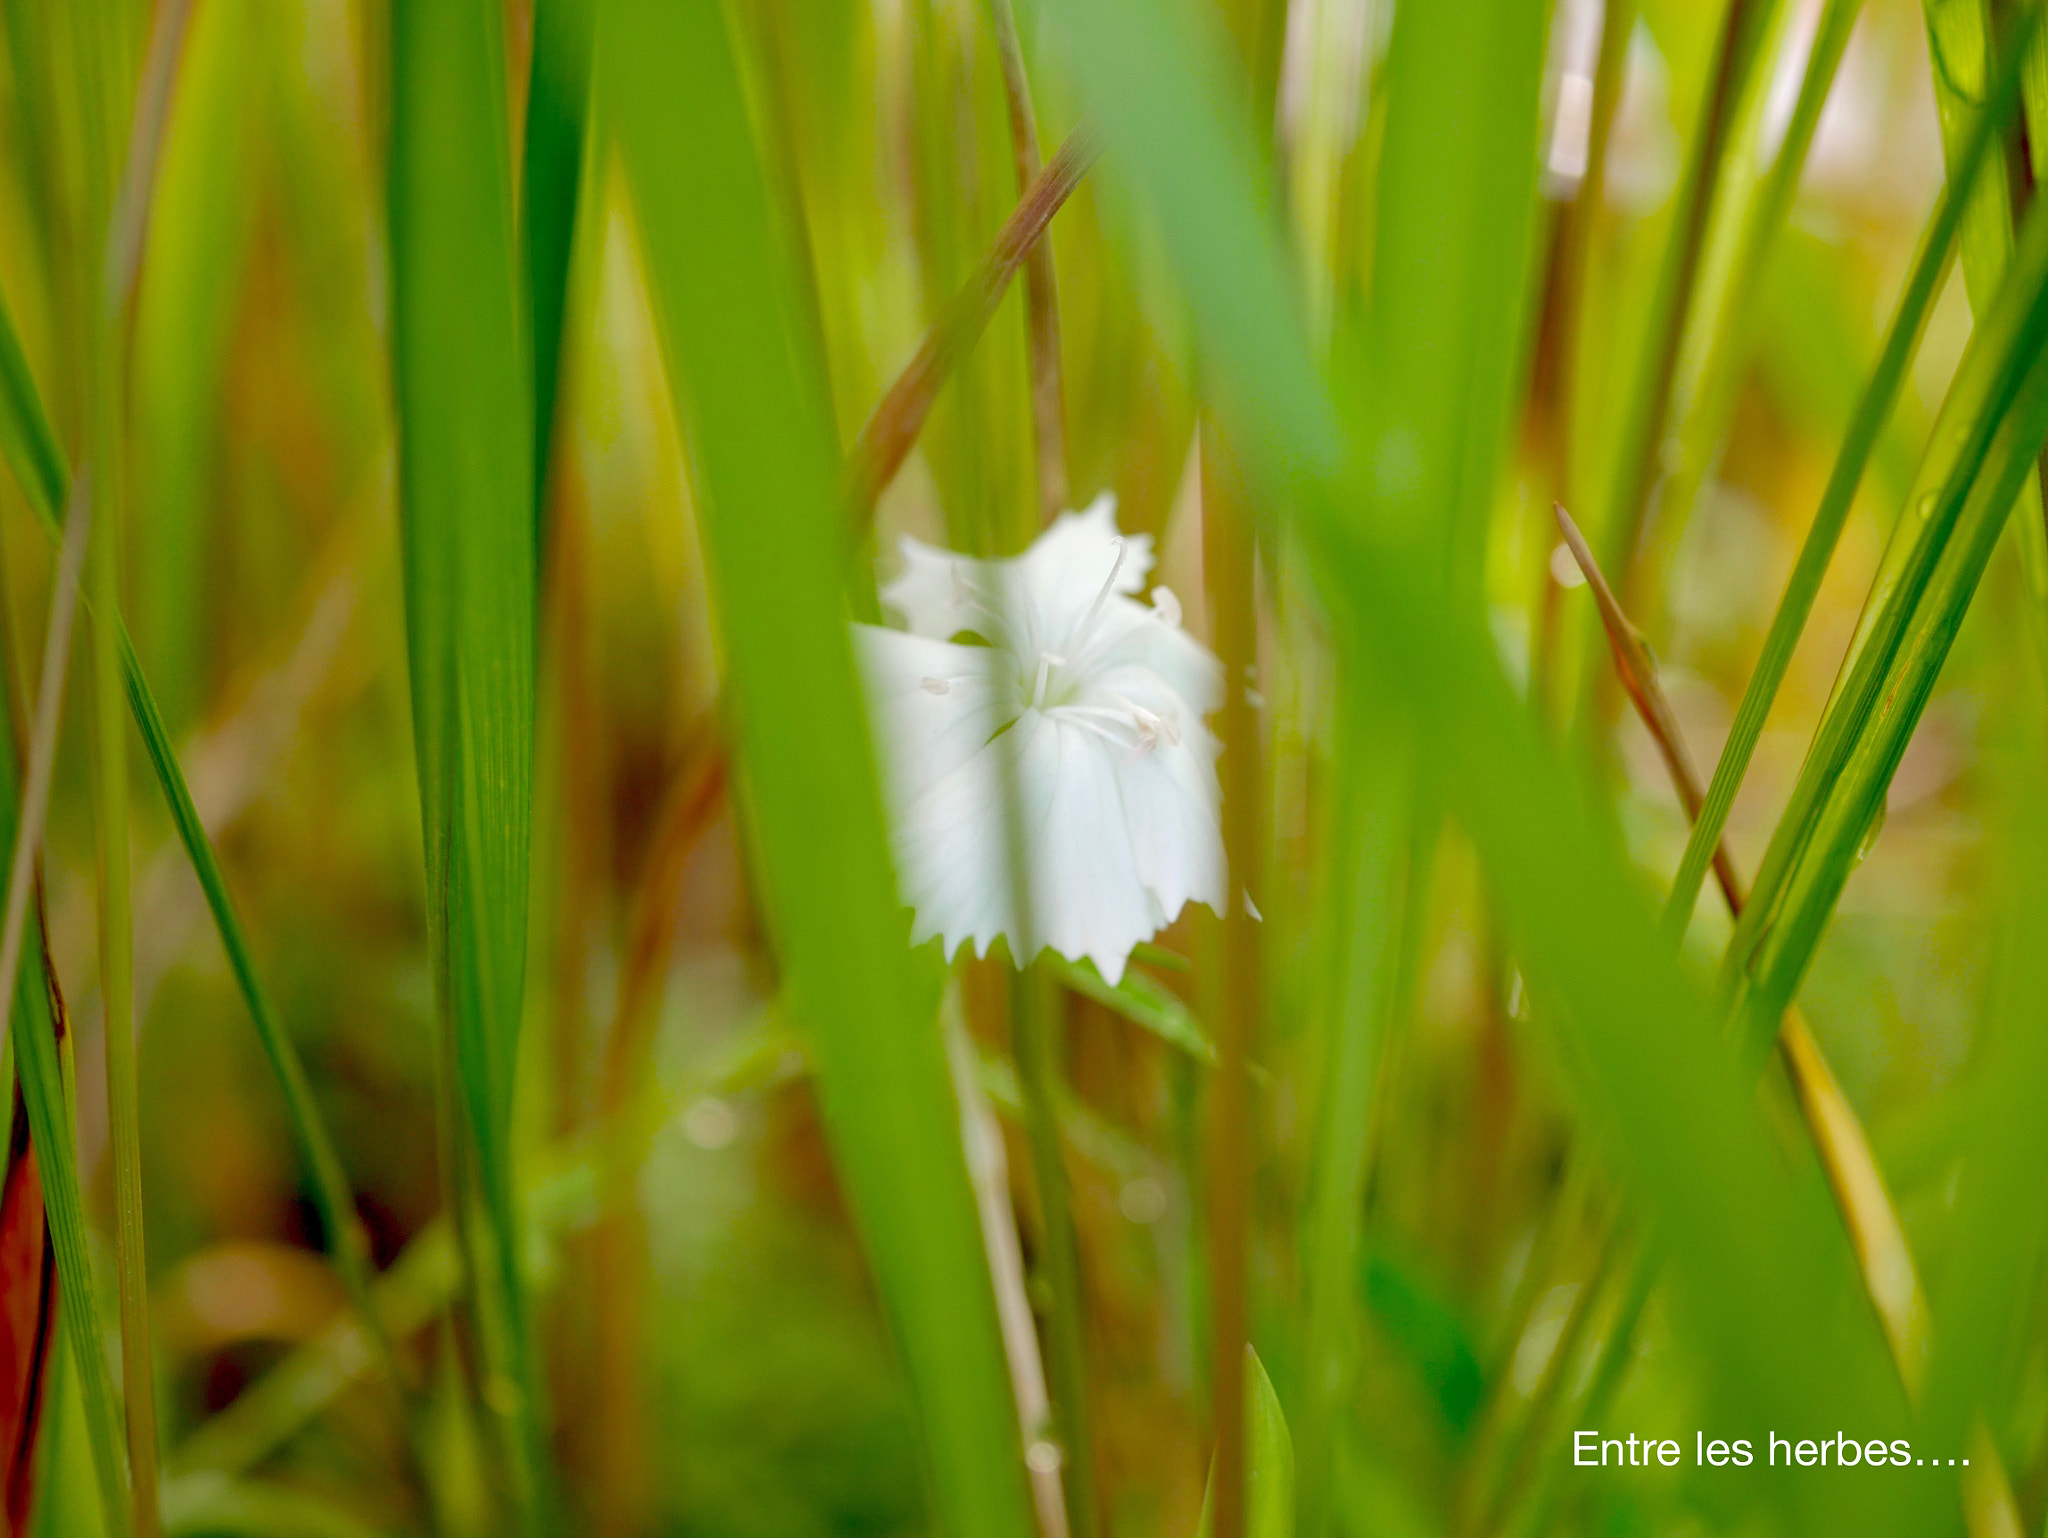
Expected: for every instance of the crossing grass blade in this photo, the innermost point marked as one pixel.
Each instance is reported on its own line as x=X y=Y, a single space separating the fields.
x=465 y=425
x=1923 y=587
x=1768 y=1278
x=40 y=471
x=1853 y=814
x=1866 y=425
x=753 y=409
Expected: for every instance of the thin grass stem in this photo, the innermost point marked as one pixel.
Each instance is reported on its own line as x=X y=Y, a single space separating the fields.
x=1228 y=565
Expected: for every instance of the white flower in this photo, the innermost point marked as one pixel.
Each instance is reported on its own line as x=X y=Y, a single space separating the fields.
x=1098 y=699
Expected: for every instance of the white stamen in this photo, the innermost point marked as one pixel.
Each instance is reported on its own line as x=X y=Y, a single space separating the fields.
x=935 y=686
x=1166 y=606
x=1102 y=597
x=1047 y=661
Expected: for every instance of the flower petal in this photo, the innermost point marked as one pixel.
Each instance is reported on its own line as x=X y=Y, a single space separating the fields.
x=1058 y=580
x=935 y=705
x=1086 y=891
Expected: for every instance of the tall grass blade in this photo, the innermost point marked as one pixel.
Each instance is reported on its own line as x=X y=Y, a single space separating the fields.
x=105 y=399
x=465 y=423
x=1451 y=241
x=755 y=415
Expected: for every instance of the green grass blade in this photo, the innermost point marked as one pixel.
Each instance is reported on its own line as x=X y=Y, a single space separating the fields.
x=39 y=468
x=465 y=422
x=1962 y=45
x=33 y=1032
x=31 y=447
x=755 y=414
x=1960 y=460
x=1857 y=800
x=557 y=149
x=1269 y=1461
x=1451 y=246
x=1866 y=428
x=1769 y=1281
x=1452 y=239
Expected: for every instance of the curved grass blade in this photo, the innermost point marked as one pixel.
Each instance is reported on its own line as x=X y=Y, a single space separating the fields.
x=1873 y=407
x=755 y=414
x=1137 y=999
x=40 y=471
x=1770 y=1283
x=1269 y=1462
x=465 y=420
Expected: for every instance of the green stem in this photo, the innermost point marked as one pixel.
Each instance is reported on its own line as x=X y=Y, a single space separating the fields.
x=104 y=395
x=117 y=993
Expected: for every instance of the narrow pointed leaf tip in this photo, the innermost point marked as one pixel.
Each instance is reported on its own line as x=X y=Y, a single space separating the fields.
x=1050 y=657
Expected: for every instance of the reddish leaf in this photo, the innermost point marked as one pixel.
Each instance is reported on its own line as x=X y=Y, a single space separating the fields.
x=28 y=1320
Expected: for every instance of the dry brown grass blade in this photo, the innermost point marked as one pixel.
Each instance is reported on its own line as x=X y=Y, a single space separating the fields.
x=1859 y=1189
x=886 y=439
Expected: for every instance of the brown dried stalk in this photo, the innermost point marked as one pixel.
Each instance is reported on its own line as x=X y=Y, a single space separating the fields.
x=885 y=441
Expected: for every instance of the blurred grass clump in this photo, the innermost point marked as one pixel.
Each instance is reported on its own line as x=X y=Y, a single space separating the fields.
x=452 y=878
